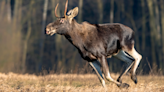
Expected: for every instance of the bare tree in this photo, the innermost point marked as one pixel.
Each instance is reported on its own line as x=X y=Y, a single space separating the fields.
x=162 y=37
x=112 y=11
x=80 y=11
x=100 y=6
x=8 y=11
x=143 y=24
x=158 y=31
x=152 y=31
x=42 y=37
x=27 y=36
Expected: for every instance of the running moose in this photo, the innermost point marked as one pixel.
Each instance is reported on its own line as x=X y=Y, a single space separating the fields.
x=97 y=42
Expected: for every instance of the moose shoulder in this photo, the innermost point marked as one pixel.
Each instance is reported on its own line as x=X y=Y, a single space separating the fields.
x=98 y=42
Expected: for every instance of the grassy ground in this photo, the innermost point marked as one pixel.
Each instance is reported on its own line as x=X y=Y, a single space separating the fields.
x=75 y=83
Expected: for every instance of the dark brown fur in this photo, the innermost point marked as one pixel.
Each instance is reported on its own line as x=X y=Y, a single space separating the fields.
x=95 y=40
x=98 y=42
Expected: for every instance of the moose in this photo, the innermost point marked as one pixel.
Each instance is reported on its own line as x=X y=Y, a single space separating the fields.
x=97 y=42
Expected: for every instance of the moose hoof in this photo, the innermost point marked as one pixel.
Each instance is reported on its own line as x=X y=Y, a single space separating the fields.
x=134 y=78
x=123 y=85
x=119 y=80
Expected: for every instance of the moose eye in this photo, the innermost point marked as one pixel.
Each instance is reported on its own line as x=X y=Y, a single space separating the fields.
x=61 y=21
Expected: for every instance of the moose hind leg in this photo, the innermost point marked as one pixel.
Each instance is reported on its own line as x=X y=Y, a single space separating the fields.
x=127 y=59
x=105 y=69
x=137 y=58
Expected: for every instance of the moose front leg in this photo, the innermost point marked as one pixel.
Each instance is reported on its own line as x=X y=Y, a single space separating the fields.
x=96 y=66
x=105 y=69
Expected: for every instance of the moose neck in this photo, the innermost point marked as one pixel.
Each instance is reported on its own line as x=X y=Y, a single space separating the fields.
x=74 y=29
x=73 y=33
x=80 y=33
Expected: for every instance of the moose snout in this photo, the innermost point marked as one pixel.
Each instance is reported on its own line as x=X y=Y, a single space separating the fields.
x=47 y=30
x=50 y=30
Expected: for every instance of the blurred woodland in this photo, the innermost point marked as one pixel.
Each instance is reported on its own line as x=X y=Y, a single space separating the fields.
x=25 y=48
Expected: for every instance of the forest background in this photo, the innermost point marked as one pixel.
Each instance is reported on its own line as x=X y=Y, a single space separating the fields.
x=25 y=48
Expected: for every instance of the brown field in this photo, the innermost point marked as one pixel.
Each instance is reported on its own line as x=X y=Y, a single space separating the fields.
x=75 y=83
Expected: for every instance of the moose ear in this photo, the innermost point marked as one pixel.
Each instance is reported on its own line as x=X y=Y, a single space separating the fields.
x=73 y=13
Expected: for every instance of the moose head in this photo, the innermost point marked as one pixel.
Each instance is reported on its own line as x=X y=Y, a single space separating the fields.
x=62 y=24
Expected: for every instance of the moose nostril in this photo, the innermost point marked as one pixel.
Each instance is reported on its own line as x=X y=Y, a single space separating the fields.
x=47 y=32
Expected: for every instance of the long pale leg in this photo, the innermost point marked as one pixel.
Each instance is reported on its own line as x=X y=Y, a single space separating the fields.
x=137 y=58
x=96 y=66
x=127 y=59
x=105 y=69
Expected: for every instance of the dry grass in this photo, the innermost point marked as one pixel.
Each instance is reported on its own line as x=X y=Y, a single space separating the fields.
x=75 y=83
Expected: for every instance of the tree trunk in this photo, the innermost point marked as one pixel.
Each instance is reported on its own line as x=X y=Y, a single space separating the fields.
x=43 y=33
x=143 y=25
x=157 y=23
x=100 y=6
x=112 y=11
x=143 y=33
x=16 y=36
x=80 y=11
x=27 y=37
x=152 y=31
x=162 y=26
x=25 y=47
x=53 y=4
x=8 y=11
x=158 y=33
